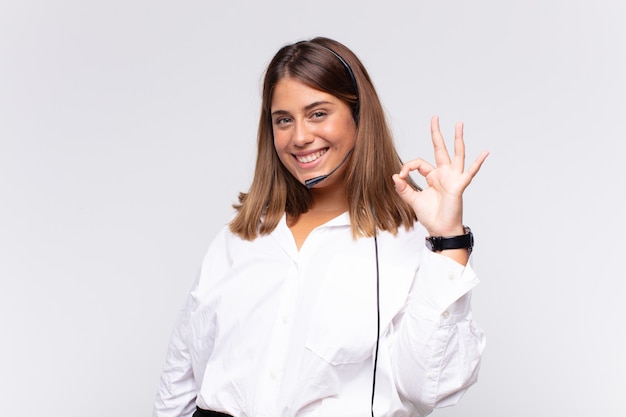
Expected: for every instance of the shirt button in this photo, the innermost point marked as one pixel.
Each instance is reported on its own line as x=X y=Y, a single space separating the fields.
x=273 y=376
x=451 y=276
x=432 y=375
x=285 y=320
x=445 y=314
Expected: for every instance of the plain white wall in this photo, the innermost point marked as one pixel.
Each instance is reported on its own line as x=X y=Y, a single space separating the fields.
x=127 y=128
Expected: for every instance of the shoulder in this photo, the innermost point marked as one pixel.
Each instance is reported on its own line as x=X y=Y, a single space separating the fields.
x=405 y=237
x=227 y=245
x=404 y=248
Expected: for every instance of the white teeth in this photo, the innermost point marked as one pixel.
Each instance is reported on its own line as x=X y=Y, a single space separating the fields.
x=311 y=157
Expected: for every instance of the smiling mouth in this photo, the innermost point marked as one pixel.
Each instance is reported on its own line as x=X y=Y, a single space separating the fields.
x=305 y=159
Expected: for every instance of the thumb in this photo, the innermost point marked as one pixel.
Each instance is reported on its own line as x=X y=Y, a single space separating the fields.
x=404 y=190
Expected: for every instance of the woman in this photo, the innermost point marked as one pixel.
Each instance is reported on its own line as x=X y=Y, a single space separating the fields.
x=320 y=298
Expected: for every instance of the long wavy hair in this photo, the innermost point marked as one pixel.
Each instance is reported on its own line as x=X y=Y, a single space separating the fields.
x=328 y=66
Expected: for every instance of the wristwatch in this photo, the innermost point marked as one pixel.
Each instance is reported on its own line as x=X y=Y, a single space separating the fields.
x=439 y=243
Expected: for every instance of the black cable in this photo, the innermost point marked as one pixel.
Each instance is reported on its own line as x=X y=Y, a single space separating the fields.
x=377 y=325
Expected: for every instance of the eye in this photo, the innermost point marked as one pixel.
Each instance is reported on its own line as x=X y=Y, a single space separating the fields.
x=319 y=114
x=282 y=121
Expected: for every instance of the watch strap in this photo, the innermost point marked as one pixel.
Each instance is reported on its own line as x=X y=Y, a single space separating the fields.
x=439 y=243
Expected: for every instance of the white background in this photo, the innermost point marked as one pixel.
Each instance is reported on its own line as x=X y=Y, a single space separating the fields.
x=127 y=129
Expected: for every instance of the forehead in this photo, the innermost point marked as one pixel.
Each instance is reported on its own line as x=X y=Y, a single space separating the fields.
x=291 y=93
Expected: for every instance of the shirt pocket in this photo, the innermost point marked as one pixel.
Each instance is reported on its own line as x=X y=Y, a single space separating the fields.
x=343 y=327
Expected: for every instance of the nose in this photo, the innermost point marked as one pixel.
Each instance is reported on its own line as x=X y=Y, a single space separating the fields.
x=302 y=134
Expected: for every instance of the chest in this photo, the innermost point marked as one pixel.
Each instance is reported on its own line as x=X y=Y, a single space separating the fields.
x=328 y=285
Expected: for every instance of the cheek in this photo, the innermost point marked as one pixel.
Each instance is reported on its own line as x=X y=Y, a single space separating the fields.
x=344 y=132
x=344 y=138
x=280 y=146
x=280 y=140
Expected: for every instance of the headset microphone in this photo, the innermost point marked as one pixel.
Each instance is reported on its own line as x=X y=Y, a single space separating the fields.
x=310 y=183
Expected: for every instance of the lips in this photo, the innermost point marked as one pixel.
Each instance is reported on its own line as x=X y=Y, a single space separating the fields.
x=308 y=158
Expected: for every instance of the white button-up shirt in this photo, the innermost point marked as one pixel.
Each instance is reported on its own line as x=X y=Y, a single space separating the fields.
x=270 y=331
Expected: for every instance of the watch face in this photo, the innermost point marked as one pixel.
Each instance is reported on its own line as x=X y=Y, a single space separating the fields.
x=433 y=243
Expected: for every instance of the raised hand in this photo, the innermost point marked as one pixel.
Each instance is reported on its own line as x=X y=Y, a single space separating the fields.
x=439 y=207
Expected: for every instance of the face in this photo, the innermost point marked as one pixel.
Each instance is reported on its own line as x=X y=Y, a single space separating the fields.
x=313 y=131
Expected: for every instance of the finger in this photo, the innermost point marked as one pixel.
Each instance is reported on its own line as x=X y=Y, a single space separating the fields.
x=441 y=152
x=459 y=147
x=419 y=165
x=472 y=170
x=404 y=190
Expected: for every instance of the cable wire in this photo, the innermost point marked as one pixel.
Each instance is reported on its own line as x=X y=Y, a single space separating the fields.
x=377 y=325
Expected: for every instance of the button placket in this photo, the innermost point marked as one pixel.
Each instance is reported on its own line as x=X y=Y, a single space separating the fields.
x=279 y=338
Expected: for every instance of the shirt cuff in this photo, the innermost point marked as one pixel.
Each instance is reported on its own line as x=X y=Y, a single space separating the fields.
x=440 y=282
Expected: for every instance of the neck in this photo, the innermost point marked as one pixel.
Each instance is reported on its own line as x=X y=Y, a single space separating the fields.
x=329 y=199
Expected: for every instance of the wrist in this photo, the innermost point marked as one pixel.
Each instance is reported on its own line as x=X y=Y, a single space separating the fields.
x=463 y=240
x=447 y=231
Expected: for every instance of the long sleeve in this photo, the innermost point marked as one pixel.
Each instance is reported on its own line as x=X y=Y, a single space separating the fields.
x=437 y=347
x=177 y=388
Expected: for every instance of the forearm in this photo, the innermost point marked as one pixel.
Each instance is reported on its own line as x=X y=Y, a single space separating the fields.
x=437 y=346
x=177 y=389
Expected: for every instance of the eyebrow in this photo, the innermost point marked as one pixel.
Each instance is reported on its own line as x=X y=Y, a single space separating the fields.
x=306 y=108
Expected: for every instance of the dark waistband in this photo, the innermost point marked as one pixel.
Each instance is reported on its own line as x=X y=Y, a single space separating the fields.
x=207 y=413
